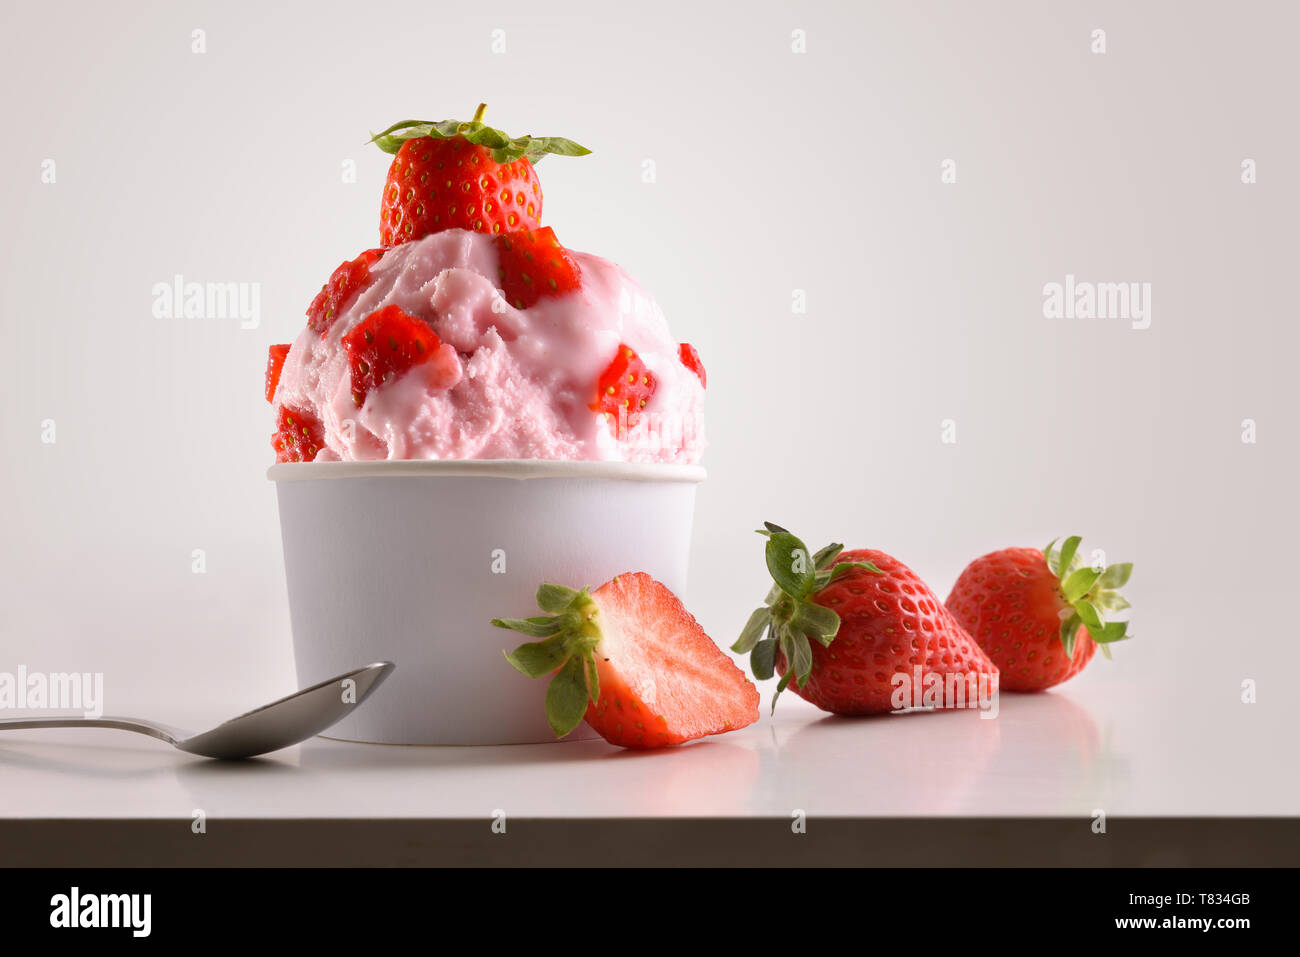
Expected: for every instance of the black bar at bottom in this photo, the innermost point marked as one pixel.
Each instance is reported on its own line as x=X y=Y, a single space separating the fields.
x=989 y=908
x=654 y=842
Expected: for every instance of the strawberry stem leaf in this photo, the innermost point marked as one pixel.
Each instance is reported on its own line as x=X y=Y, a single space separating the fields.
x=537 y=658
x=555 y=598
x=762 y=660
x=1068 y=551
x=753 y=631
x=505 y=148
x=822 y=560
x=781 y=686
x=790 y=616
x=1079 y=583
x=1069 y=633
x=540 y=627
x=1116 y=576
x=825 y=578
x=1090 y=594
x=566 y=697
x=572 y=635
x=790 y=565
x=1088 y=614
x=1110 y=632
x=816 y=620
x=800 y=655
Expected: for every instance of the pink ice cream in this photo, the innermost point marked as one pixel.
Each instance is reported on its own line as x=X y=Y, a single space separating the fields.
x=506 y=383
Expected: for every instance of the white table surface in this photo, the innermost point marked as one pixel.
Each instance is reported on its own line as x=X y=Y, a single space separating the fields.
x=1100 y=742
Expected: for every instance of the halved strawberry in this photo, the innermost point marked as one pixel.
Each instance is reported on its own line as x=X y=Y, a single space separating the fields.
x=691 y=359
x=274 y=364
x=623 y=389
x=634 y=662
x=349 y=278
x=386 y=344
x=533 y=264
x=298 y=436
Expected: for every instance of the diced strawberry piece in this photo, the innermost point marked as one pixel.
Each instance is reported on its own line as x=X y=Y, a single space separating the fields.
x=533 y=264
x=384 y=345
x=298 y=436
x=691 y=359
x=344 y=283
x=623 y=389
x=274 y=364
x=662 y=679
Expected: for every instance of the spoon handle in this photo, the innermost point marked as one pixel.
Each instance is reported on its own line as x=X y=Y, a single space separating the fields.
x=151 y=728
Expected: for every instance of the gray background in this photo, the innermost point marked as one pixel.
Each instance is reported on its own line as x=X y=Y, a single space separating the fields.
x=775 y=171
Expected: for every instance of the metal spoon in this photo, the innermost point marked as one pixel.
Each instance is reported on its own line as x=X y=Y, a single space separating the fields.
x=270 y=728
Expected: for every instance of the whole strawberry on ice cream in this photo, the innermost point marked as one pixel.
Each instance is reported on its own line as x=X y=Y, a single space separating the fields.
x=473 y=333
x=462 y=175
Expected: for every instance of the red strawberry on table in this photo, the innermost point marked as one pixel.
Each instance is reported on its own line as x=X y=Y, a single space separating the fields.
x=298 y=436
x=387 y=344
x=1038 y=615
x=344 y=283
x=274 y=365
x=531 y=264
x=461 y=175
x=632 y=661
x=623 y=390
x=869 y=618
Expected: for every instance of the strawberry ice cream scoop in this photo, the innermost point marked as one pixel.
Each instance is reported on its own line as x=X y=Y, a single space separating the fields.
x=461 y=345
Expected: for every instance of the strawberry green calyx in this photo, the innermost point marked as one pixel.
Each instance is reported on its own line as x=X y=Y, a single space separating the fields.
x=1089 y=594
x=570 y=634
x=789 y=617
x=505 y=149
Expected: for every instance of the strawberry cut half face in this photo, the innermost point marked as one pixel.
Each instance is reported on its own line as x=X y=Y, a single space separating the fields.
x=662 y=679
x=386 y=345
x=344 y=283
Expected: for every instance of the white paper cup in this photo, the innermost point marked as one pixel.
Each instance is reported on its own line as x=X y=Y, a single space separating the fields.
x=407 y=561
